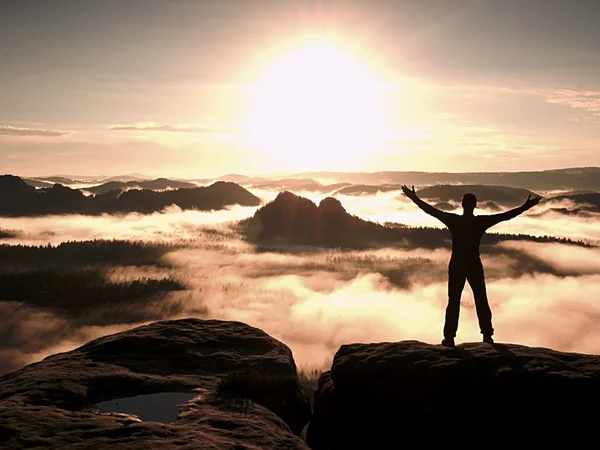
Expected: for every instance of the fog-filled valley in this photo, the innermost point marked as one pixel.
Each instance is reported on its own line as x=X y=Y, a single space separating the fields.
x=315 y=260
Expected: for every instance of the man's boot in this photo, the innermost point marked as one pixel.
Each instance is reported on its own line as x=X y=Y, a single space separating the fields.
x=448 y=342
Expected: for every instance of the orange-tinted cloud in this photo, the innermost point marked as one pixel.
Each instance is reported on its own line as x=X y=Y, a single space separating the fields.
x=7 y=130
x=151 y=126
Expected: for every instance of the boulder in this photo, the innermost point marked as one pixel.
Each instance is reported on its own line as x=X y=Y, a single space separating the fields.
x=318 y=431
x=244 y=384
x=291 y=219
x=378 y=391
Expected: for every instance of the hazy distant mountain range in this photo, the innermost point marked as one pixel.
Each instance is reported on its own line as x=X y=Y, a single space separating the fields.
x=156 y=185
x=581 y=179
x=17 y=198
x=579 y=188
x=68 y=180
x=360 y=183
x=502 y=195
x=586 y=178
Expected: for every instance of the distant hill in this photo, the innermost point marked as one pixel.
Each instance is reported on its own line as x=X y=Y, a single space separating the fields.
x=503 y=195
x=368 y=189
x=281 y=184
x=488 y=196
x=17 y=198
x=68 y=180
x=591 y=199
x=293 y=219
x=214 y=197
x=293 y=184
x=584 y=203
x=37 y=183
x=240 y=179
x=60 y=180
x=444 y=206
x=79 y=178
x=155 y=185
x=128 y=177
x=296 y=185
x=582 y=178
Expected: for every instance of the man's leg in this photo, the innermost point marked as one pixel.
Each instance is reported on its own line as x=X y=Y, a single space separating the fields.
x=476 y=279
x=456 y=283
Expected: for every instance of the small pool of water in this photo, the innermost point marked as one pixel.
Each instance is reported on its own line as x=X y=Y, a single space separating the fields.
x=161 y=407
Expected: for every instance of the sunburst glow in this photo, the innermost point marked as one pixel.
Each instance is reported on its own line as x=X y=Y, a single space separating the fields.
x=318 y=102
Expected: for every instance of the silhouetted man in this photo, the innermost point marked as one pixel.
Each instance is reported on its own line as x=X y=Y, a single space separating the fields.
x=465 y=264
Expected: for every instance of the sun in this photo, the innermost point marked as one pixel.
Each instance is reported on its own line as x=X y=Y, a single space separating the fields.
x=317 y=104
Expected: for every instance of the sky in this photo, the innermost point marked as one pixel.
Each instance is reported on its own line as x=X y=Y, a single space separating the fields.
x=198 y=89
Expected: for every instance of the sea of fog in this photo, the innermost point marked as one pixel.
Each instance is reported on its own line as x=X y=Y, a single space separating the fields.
x=315 y=302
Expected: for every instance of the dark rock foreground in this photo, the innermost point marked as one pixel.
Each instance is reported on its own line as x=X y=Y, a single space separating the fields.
x=417 y=392
x=249 y=395
x=386 y=395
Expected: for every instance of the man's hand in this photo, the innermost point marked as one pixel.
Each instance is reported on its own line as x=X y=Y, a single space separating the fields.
x=531 y=202
x=431 y=210
x=409 y=193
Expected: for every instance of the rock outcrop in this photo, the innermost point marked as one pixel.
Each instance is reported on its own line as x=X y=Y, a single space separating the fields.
x=409 y=390
x=249 y=396
x=291 y=219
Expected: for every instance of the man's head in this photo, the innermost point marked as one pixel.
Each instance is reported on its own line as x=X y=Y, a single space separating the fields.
x=469 y=202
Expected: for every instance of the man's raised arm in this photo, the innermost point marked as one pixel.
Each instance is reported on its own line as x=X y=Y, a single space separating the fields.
x=432 y=211
x=494 y=219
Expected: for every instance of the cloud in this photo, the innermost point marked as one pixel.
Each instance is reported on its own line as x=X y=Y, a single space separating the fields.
x=31 y=334
x=170 y=225
x=152 y=126
x=322 y=301
x=7 y=130
x=586 y=100
x=318 y=302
